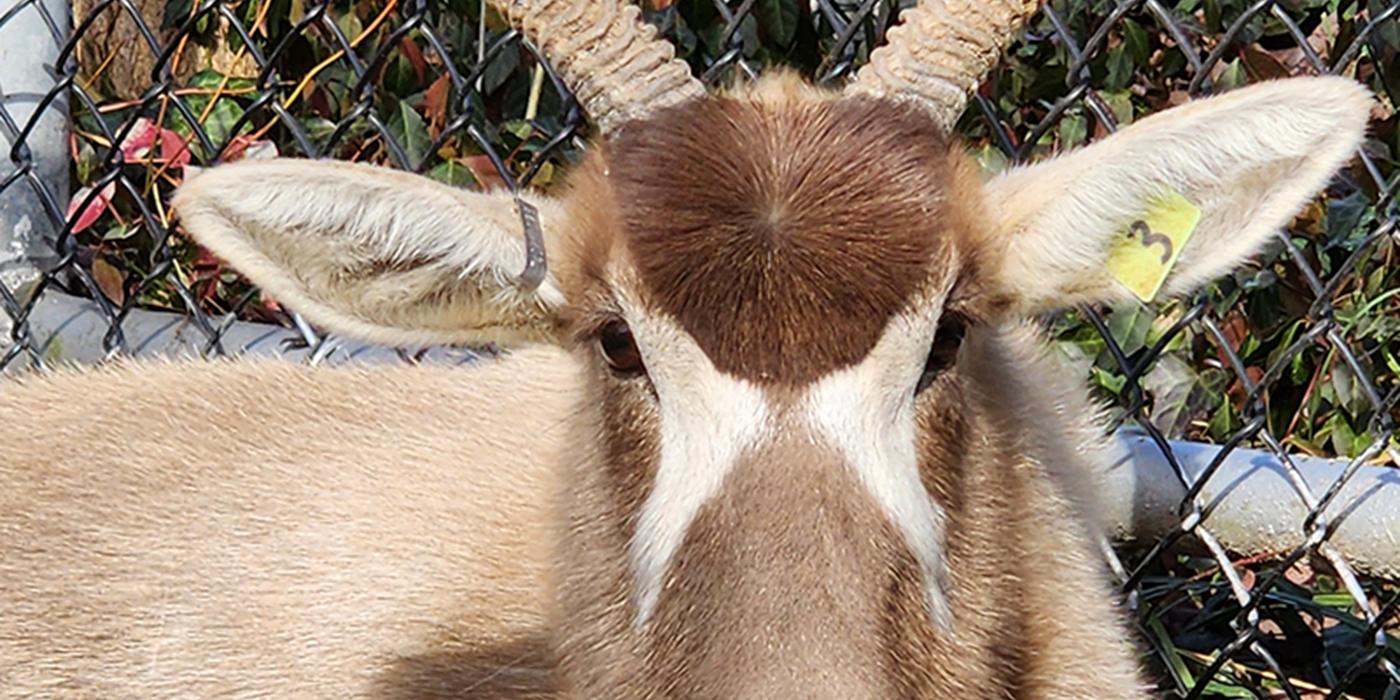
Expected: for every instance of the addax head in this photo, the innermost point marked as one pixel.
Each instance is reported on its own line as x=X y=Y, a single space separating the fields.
x=769 y=290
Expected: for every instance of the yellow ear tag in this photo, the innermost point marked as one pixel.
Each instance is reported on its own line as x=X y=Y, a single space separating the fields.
x=1142 y=255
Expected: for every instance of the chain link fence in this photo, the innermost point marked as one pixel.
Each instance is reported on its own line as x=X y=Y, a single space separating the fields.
x=102 y=116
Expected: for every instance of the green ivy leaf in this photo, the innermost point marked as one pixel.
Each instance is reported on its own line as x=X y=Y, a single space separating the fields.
x=120 y=232
x=1074 y=129
x=1135 y=41
x=499 y=70
x=1341 y=434
x=1129 y=325
x=411 y=133
x=219 y=124
x=1120 y=68
x=454 y=174
x=349 y=25
x=778 y=20
x=1224 y=422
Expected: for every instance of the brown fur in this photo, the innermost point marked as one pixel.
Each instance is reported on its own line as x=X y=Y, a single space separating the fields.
x=763 y=224
x=1021 y=547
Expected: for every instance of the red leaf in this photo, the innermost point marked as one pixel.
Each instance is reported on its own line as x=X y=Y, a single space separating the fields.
x=139 y=140
x=208 y=289
x=243 y=147
x=174 y=149
x=94 y=209
x=484 y=172
x=205 y=260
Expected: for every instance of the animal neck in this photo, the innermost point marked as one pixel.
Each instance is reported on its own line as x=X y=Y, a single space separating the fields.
x=781 y=587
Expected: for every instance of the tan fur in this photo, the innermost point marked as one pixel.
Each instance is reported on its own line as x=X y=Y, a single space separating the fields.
x=706 y=529
x=810 y=556
x=263 y=529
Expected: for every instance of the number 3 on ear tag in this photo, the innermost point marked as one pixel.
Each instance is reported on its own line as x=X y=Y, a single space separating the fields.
x=1142 y=255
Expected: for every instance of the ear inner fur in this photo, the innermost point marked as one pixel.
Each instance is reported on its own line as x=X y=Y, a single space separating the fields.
x=1249 y=159
x=376 y=254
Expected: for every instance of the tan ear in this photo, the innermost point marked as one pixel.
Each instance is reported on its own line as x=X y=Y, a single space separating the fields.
x=376 y=254
x=1249 y=160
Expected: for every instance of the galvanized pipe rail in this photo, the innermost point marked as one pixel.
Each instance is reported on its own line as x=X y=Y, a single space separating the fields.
x=1255 y=504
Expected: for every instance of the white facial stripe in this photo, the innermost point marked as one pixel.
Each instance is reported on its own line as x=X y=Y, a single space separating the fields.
x=707 y=420
x=867 y=413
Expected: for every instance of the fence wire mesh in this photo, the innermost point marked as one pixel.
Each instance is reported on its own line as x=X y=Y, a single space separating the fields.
x=1296 y=354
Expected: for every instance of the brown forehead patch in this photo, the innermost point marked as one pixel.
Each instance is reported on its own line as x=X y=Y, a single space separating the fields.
x=783 y=234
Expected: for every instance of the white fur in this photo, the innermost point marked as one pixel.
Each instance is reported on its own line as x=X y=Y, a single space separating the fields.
x=708 y=420
x=867 y=412
x=1248 y=159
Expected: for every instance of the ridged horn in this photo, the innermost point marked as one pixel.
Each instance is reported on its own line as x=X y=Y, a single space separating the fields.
x=941 y=51
x=607 y=54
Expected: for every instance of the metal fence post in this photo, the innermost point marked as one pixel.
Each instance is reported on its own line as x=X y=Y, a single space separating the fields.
x=33 y=142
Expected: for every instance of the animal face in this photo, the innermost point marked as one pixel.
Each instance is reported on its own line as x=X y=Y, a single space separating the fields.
x=768 y=284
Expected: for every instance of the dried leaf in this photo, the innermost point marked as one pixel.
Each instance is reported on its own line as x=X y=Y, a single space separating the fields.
x=411 y=53
x=1262 y=65
x=260 y=150
x=484 y=172
x=435 y=103
x=1237 y=390
x=243 y=148
x=109 y=280
x=1300 y=573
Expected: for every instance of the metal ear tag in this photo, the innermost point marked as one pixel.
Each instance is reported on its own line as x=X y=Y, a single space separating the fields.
x=535 y=264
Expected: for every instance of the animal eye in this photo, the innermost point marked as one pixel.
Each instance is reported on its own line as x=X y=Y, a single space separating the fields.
x=620 y=350
x=946 y=341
